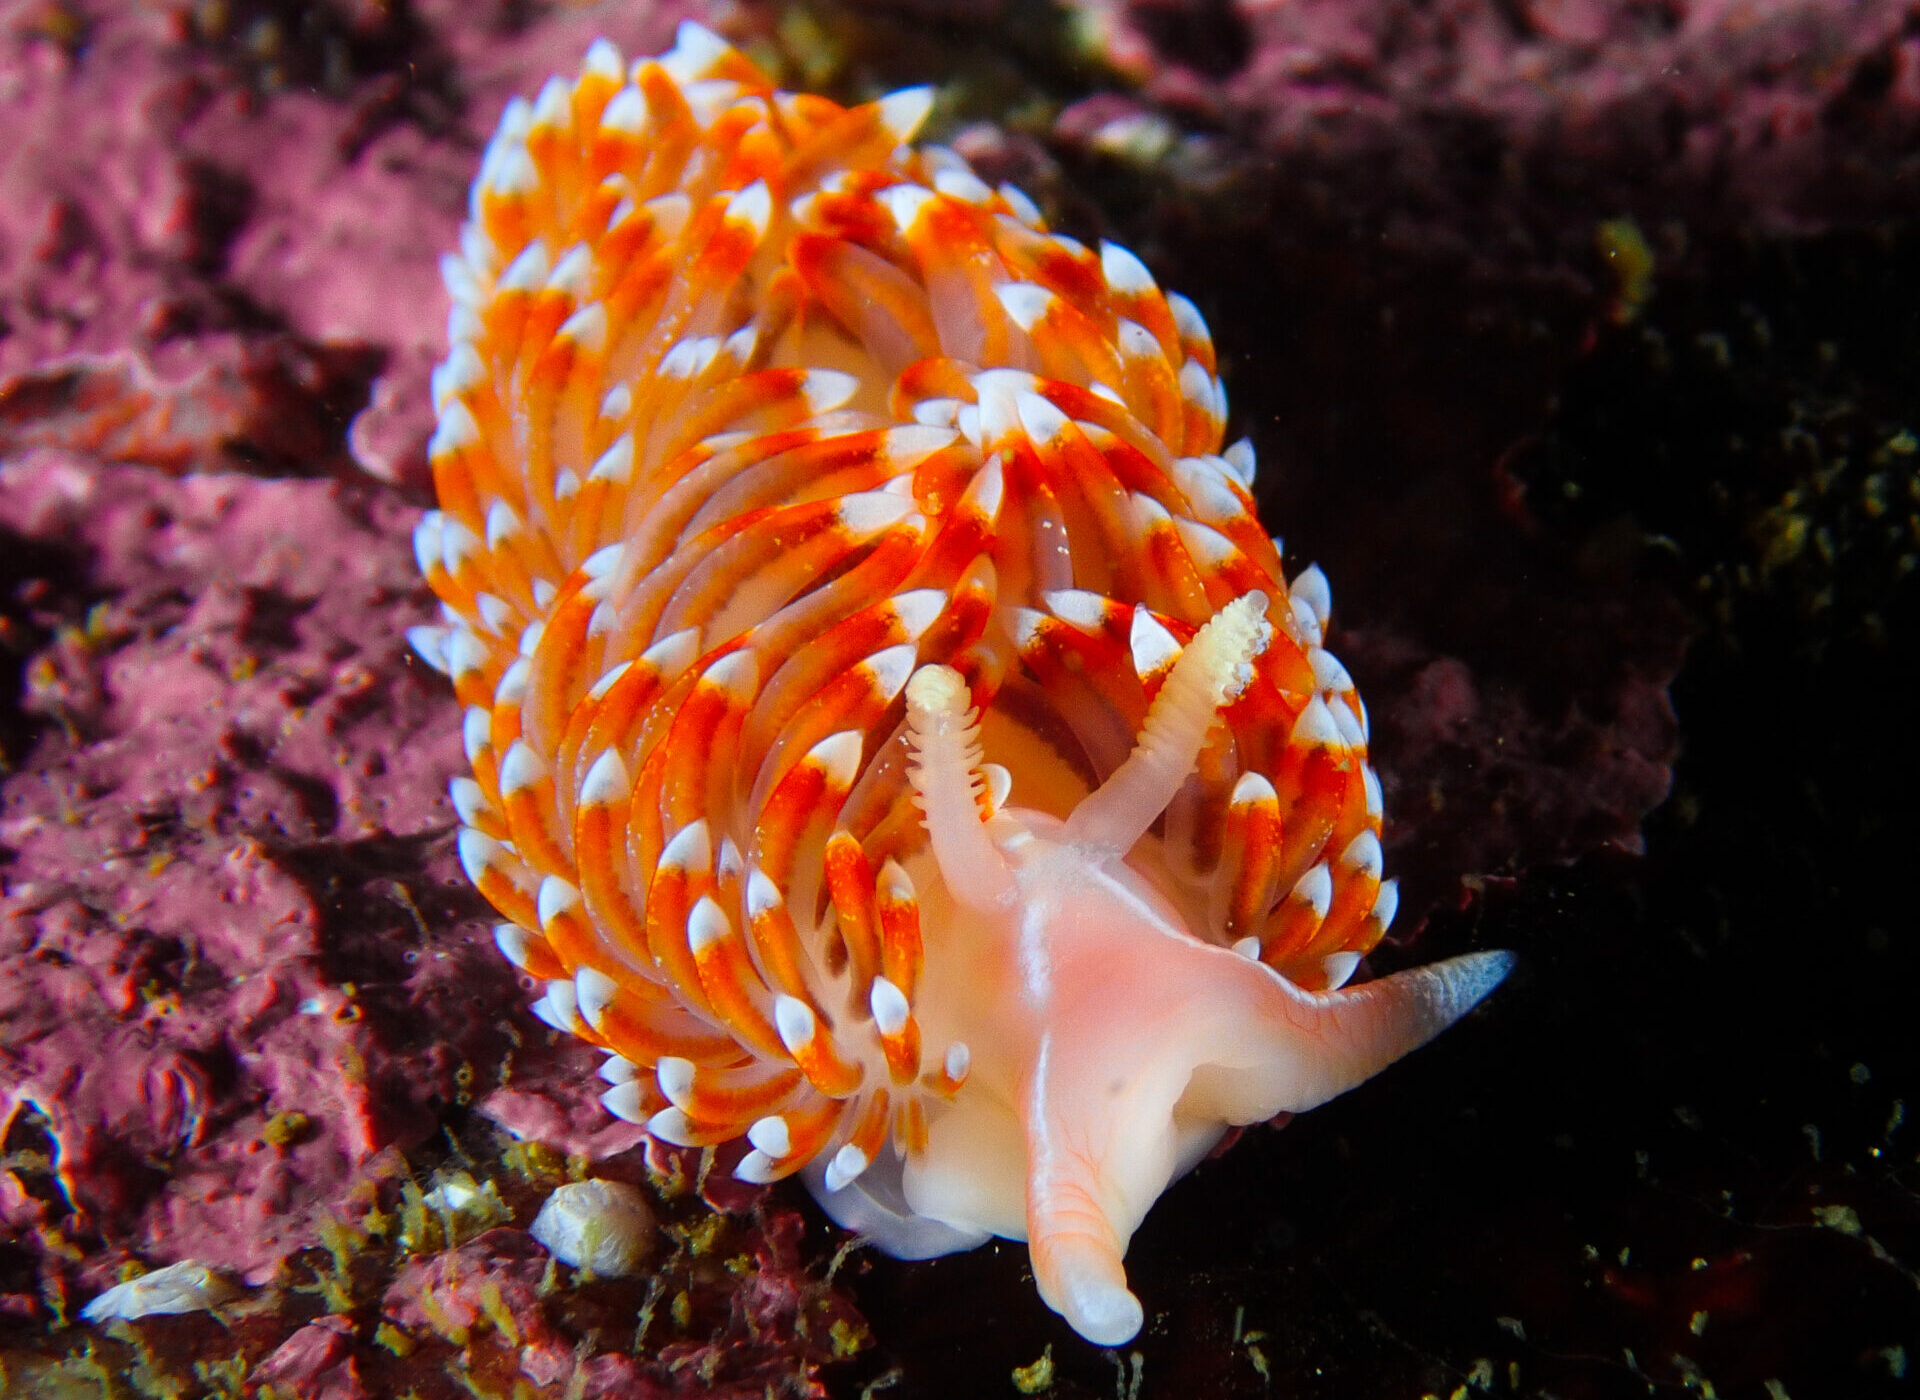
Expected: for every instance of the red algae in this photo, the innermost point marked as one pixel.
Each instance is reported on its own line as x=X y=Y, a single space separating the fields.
x=236 y=933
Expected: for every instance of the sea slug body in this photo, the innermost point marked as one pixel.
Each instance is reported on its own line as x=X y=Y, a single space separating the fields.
x=893 y=739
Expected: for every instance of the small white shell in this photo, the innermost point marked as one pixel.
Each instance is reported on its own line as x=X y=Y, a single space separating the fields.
x=178 y=1288
x=602 y=1226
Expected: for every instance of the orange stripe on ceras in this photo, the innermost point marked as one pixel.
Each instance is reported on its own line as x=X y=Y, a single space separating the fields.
x=728 y=977
x=1294 y=924
x=1249 y=856
x=772 y=395
x=771 y=927
x=901 y=948
x=682 y=875
x=1074 y=346
x=802 y=803
x=810 y=1126
x=870 y=1132
x=558 y=401
x=852 y=138
x=702 y=740
x=736 y=1097
x=506 y=883
x=1172 y=583
x=1091 y=662
x=811 y=1043
x=558 y=675
x=859 y=288
x=902 y=1049
x=910 y=1125
x=851 y=888
x=527 y=793
x=570 y=932
x=605 y=878
x=803 y=539
x=809 y=667
x=1353 y=894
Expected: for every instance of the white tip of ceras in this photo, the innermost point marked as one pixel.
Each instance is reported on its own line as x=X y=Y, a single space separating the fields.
x=839 y=756
x=962 y=185
x=958 y=1062
x=1363 y=854
x=845 y=1168
x=795 y=1022
x=690 y=848
x=1337 y=968
x=604 y=61
x=560 y=1008
x=515 y=944
x=864 y=513
x=674 y=1075
x=586 y=328
x=904 y=202
x=593 y=993
x=707 y=924
x=1315 y=728
x=1239 y=456
x=889 y=1005
x=626 y=1101
x=555 y=898
x=918 y=609
x=1124 y=272
x=553 y=107
x=1253 y=789
x=1024 y=209
x=999 y=785
x=478 y=853
x=902 y=113
x=521 y=769
x=463 y=369
x=673 y=1127
x=476 y=730
x=1310 y=584
x=1370 y=785
x=1026 y=306
x=1154 y=647
x=606 y=783
x=771 y=1136
x=528 y=271
x=455 y=429
x=696 y=49
x=1315 y=890
x=824 y=390
x=430 y=645
x=618 y=1069
x=1386 y=904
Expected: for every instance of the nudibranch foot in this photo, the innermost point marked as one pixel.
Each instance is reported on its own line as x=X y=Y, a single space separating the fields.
x=893 y=738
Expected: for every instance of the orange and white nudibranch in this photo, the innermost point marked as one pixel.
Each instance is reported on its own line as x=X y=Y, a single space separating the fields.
x=893 y=739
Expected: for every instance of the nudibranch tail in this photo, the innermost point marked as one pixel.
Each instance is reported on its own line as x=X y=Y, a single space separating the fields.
x=894 y=741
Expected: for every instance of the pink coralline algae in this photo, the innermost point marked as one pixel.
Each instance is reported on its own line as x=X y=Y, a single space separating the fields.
x=1502 y=131
x=221 y=897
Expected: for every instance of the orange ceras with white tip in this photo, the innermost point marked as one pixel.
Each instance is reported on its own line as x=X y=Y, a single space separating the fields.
x=893 y=739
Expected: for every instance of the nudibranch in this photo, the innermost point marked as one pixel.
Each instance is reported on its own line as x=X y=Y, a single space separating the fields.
x=894 y=741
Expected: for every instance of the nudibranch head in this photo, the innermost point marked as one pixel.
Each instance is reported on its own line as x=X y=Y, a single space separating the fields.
x=893 y=738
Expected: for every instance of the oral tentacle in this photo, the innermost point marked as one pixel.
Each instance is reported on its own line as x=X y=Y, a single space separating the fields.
x=1074 y=1244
